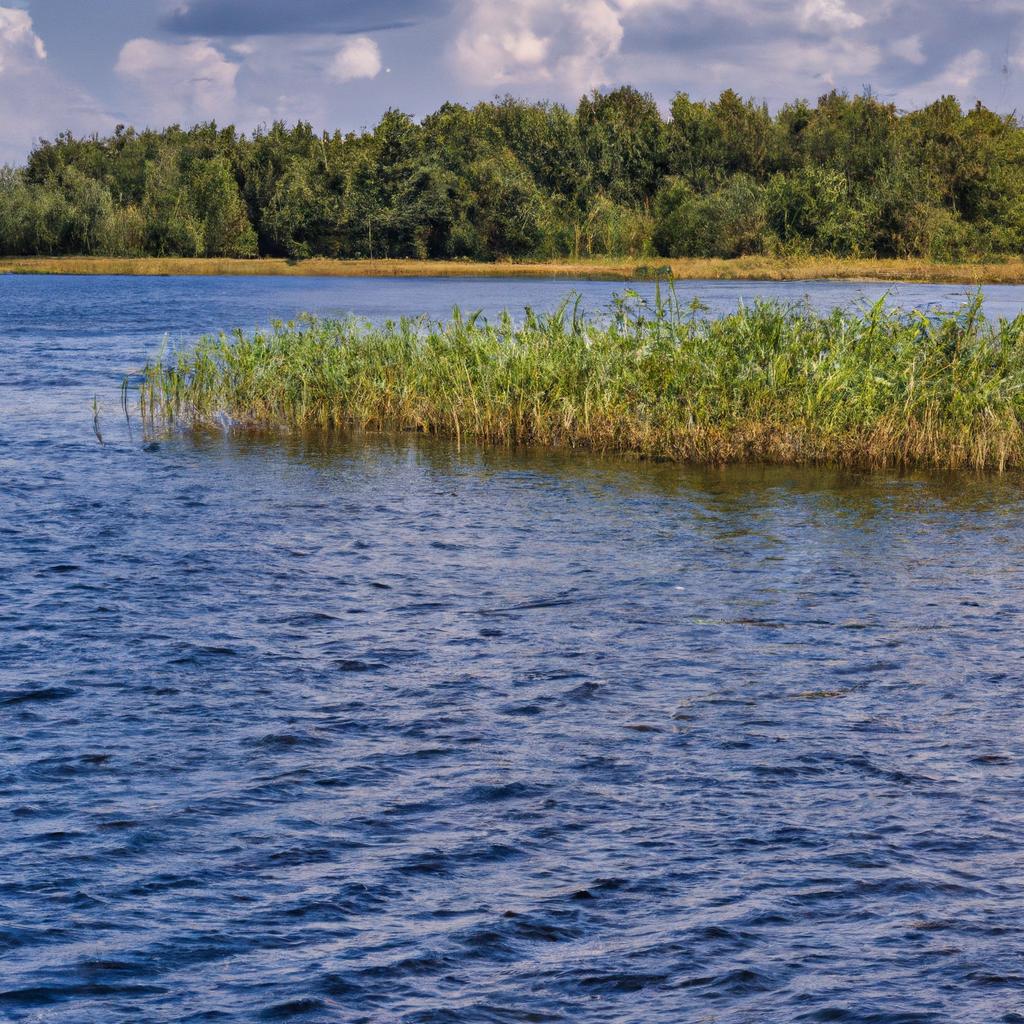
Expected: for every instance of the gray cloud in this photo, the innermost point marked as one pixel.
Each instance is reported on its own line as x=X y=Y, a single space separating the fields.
x=908 y=51
x=239 y=18
x=765 y=48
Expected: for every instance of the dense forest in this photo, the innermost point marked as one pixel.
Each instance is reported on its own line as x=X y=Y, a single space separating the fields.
x=849 y=176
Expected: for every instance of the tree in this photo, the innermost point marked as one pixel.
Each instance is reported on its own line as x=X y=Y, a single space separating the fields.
x=730 y=221
x=218 y=207
x=172 y=228
x=621 y=133
x=303 y=217
x=89 y=207
x=848 y=175
x=506 y=207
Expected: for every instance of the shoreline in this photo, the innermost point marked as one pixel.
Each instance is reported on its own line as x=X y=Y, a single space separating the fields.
x=747 y=268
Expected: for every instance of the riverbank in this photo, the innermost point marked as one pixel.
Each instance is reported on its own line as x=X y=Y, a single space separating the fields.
x=749 y=268
x=768 y=383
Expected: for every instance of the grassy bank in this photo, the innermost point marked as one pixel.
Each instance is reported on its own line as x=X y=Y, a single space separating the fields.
x=750 y=268
x=767 y=383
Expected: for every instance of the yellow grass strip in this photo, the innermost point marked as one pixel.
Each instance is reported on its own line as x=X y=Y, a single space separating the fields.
x=748 y=268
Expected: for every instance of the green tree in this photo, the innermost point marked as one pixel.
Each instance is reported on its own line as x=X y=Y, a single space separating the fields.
x=172 y=228
x=303 y=217
x=218 y=207
x=622 y=136
x=730 y=221
x=506 y=209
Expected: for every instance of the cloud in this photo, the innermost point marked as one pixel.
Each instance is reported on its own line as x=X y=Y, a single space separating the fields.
x=828 y=16
x=252 y=61
x=239 y=18
x=578 y=44
x=959 y=77
x=566 y=41
x=909 y=49
x=180 y=81
x=35 y=101
x=20 y=47
x=909 y=52
x=358 y=58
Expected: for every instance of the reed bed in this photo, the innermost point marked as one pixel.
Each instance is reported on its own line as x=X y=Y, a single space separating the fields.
x=768 y=383
x=749 y=268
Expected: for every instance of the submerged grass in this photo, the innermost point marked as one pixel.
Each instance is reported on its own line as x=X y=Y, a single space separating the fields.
x=768 y=383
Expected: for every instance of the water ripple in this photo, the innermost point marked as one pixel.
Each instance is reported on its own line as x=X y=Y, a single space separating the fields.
x=374 y=729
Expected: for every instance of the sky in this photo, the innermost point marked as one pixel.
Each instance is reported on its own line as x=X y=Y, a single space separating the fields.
x=88 y=65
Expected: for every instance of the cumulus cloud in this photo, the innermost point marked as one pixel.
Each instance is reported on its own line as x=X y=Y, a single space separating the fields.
x=829 y=16
x=568 y=41
x=20 y=47
x=35 y=101
x=578 y=44
x=358 y=58
x=251 y=61
x=180 y=81
x=776 y=49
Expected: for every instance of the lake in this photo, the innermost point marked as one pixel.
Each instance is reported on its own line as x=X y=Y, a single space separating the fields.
x=372 y=728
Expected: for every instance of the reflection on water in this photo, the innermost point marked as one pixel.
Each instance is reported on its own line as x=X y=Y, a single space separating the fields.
x=371 y=728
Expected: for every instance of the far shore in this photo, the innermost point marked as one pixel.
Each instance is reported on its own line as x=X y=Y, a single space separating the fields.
x=748 y=268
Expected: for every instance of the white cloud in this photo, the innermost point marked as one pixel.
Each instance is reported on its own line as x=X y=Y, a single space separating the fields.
x=577 y=44
x=963 y=71
x=36 y=102
x=828 y=16
x=191 y=80
x=960 y=78
x=20 y=47
x=566 y=41
x=908 y=49
x=359 y=57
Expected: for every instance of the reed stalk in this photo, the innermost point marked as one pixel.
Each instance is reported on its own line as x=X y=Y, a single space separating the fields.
x=768 y=383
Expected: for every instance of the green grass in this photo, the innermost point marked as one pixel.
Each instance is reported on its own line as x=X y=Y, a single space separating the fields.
x=768 y=383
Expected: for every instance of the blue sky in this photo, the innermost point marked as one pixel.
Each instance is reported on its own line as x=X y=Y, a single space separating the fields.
x=87 y=65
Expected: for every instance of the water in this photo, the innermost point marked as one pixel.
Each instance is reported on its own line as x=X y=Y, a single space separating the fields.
x=378 y=730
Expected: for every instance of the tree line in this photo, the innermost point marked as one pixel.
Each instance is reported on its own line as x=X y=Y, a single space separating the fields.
x=848 y=176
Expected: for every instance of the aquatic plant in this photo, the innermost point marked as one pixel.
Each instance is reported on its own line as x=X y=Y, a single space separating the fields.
x=773 y=383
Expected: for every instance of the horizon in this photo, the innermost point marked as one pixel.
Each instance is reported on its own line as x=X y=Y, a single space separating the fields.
x=150 y=64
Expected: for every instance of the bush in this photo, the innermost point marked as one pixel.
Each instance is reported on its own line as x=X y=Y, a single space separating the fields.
x=730 y=221
x=613 y=229
x=123 y=232
x=810 y=210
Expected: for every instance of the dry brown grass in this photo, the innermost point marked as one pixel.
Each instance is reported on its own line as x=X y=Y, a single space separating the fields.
x=746 y=268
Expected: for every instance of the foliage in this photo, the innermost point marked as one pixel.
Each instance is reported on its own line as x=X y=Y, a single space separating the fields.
x=727 y=222
x=847 y=176
x=767 y=383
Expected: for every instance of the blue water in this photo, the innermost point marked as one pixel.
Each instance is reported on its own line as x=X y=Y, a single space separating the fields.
x=374 y=729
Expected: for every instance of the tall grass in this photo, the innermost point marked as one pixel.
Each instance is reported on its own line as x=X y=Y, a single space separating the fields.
x=766 y=383
x=746 y=268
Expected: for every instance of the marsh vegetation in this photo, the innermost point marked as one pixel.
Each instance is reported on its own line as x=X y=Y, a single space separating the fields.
x=745 y=268
x=769 y=382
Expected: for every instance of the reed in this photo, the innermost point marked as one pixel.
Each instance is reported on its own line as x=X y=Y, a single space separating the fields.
x=743 y=268
x=767 y=383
